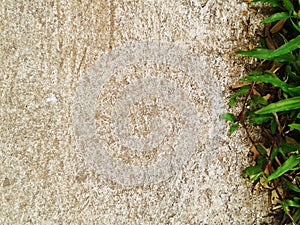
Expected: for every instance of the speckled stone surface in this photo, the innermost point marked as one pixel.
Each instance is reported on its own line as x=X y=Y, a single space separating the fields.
x=109 y=113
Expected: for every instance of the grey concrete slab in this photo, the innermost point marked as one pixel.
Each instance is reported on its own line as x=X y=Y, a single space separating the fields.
x=109 y=113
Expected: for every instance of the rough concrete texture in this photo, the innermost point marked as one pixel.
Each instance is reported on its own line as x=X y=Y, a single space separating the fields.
x=109 y=113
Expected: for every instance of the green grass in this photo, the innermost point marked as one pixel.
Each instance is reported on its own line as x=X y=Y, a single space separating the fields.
x=270 y=97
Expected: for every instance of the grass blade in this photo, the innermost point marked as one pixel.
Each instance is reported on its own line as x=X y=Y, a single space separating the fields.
x=295 y=126
x=268 y=79
x=288 y=5
x=288 y=165
x=281 y=54
x=259 y=100
x=276 y=17
x=228 y=117
x=291 y=74
x=242 y=91
x=295 y=25
x=283 y=105
x=267 y=54
x=260 y=119
x=294 y=91
x=233 y=128
x=287 y=47
x=296 y=215
x=292 y=203
x=291 y=186
x=275 y=81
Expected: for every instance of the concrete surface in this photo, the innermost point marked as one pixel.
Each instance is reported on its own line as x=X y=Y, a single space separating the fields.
x=109 y=113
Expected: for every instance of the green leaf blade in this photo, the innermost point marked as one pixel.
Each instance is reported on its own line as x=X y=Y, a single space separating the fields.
x=260 y=119
x=288 y=165
x=228 y=117
x=292 y=203
x=276 y=17
x=270 y=79
x=287 y=47
x=295 y=126
x=291 y=186
x=296 y=26
x=288 y=5
x=233 y=127
x=267 y=54
x=242 y=91
x=259 y=100
x=283 y=105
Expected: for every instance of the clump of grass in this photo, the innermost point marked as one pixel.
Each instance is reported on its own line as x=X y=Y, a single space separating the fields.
x=270 y=96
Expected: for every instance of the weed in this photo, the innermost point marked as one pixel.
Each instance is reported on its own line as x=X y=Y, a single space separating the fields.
x=270 y=96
